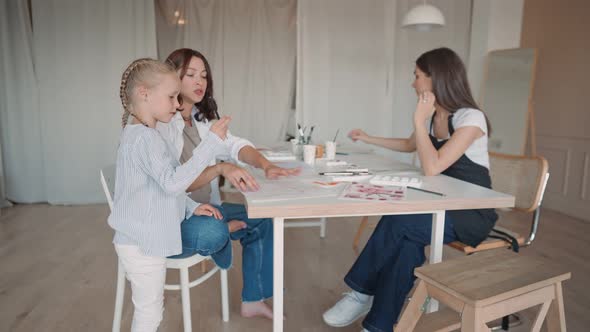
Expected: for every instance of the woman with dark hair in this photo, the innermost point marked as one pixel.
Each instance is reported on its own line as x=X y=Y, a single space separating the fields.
x=209 y=236
x=451 y=138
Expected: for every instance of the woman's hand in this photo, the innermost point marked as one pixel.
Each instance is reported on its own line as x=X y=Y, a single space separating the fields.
x=274 y=171
x=425 y=107
x=239 y=177
x=358 y=135
x=208 y=210
x=220 y=126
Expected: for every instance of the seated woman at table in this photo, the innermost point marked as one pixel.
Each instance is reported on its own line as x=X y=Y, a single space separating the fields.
x=451 y=137
x=206 y=234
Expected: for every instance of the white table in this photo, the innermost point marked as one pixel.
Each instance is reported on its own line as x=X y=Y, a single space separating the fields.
x=459 y=195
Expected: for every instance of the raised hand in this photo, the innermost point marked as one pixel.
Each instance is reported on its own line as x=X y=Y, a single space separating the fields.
x=425 y=107
x=358 y=135
x=220 y=126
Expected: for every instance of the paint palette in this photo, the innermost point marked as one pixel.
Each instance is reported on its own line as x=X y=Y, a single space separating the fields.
x=391 y=180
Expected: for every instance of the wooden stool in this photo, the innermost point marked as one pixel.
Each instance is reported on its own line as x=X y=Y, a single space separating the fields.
x=483 y=287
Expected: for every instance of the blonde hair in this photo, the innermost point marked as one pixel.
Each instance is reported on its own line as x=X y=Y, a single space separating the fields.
x=140 y=72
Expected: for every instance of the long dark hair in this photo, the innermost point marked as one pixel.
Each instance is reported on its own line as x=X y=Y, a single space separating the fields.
x=449 y=80
x=180 y=59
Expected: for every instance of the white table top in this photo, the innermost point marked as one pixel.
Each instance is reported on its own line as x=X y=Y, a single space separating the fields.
x=459 y=195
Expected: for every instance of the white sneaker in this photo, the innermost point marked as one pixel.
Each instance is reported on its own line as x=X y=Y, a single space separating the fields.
x=347 y=310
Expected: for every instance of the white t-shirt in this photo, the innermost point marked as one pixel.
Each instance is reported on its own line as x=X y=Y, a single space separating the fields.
x=478 y=151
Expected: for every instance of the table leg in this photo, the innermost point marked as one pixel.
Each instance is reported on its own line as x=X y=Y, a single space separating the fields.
x=436 y=247
x=278 y=272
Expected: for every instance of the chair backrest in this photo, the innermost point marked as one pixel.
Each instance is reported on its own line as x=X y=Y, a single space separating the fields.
x=107 y=179
x=523 y=177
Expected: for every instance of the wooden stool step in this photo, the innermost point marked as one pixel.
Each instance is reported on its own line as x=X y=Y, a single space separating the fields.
x=444 y=320
x=484 y=287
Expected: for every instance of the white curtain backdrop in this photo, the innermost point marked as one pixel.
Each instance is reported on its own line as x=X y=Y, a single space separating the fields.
x=61 y=121
x=355 y=63
x=59 y=105
x=251 y=47
x=345 y=59
x=81 y=49
x=20 y=121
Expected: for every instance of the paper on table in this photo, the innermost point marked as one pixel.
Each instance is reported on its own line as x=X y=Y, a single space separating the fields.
x=370 y=192
x=278 y=155
x=289 y=189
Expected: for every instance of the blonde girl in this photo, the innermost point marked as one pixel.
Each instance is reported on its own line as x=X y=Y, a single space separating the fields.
x=150 y=200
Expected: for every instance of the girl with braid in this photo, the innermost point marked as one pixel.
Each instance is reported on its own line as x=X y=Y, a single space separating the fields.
x=150 y=199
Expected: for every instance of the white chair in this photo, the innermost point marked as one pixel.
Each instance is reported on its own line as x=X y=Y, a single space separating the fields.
x=321 y=223
x=107 y=178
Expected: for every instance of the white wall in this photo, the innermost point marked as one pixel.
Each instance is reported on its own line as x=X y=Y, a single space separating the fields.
x=495 y=24
x=344 y=57
x=560 y=100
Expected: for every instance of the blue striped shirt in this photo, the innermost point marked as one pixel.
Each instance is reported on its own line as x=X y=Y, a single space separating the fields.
x=150 y=200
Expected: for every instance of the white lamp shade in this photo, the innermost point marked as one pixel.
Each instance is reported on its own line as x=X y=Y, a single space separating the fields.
x=423 y=17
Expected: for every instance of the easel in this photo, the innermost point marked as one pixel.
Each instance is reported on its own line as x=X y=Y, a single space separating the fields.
x=527 y=143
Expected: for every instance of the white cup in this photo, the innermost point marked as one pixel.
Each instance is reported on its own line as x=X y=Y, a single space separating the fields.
x=309 y=154
x=330 y=150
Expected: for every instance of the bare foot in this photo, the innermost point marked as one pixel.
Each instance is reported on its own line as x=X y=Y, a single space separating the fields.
x=256 y=309
x=236 y=225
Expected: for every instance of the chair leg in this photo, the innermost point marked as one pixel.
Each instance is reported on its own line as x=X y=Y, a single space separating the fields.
x=323 y=228
x=186 y=300
x=556 y=314
x=120 y=295
x=359 y=233
x=224 y=296
x=204 y=266
x=413 y=309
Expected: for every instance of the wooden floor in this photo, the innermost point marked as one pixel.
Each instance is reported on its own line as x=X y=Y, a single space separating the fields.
x=58 y=273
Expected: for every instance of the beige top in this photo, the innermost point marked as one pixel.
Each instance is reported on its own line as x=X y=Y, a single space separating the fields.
x=191 y=138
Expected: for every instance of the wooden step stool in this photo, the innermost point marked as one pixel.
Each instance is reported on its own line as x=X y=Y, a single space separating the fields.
x=483 y=287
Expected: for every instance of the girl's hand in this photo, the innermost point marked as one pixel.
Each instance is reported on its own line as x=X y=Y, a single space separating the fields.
x=239 y=177
x=358 y=135
x=425 y=107
x=220 y=126
x=208 y=210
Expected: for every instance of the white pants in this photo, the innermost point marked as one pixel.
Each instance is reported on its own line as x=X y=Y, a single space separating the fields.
x=147 y=276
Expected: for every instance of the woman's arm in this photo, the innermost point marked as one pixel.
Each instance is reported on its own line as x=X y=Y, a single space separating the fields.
x=205 y=178
x=251 y=156
x=242 y=150
x=395 y=144
x=436 y=161
x=238 y=176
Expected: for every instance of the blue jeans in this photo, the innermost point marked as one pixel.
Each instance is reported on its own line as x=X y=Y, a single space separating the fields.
x=206 y=236
x=385 y=268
